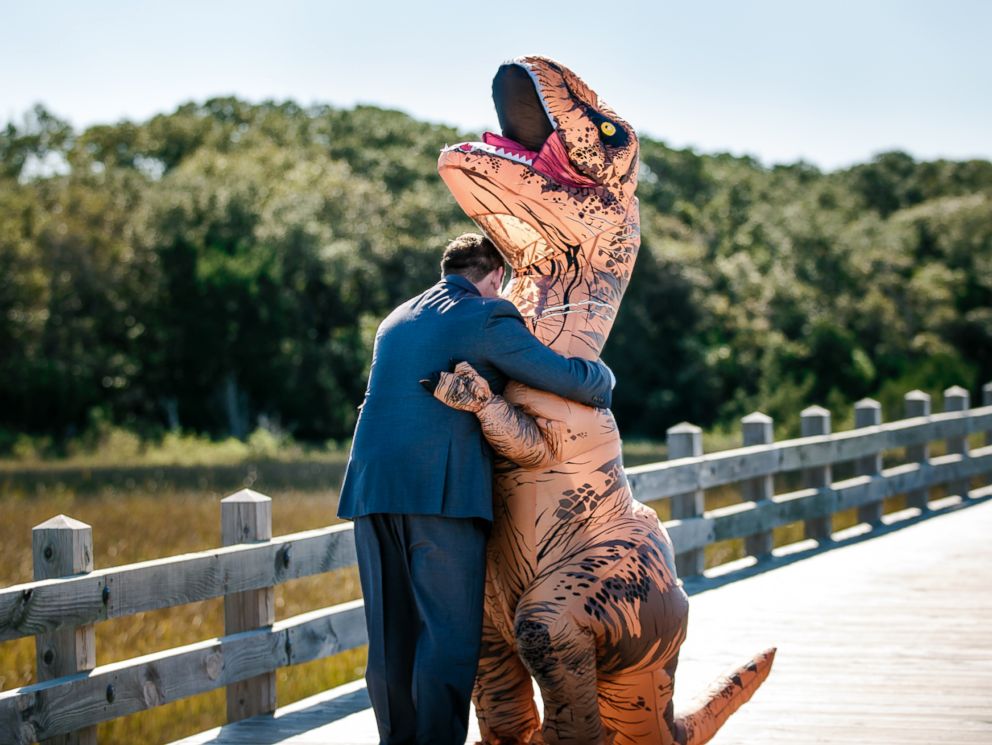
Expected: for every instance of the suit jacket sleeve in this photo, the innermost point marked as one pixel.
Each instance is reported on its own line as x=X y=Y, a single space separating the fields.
x=518 y=354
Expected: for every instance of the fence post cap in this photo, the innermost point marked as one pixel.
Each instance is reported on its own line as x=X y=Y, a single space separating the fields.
x=684 y=428
x=62 y=522
x=756 y=417
x=867 y=403
x=987 y=386
x=246 y=495
x=917 y=395
x=818 y=411
x=956 y=391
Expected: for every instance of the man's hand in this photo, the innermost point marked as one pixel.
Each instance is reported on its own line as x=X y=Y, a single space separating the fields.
x=464 y=389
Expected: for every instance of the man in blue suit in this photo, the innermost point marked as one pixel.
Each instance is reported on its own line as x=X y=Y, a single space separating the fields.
x=419 y=488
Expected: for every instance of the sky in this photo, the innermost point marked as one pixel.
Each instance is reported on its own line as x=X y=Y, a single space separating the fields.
x=831 y=83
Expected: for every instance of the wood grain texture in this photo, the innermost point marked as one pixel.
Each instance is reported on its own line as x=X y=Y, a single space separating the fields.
x=45 y=709
x=987 y=401
x=656 y=480
x=882 y=641
x=917 y=404
x=758 y=429
x=815 y=421
x=686 y=441
x=957 y=398
x=868 y=413
x=63 y=546
x=740 y=520
x=39 y=607
x=246 y=517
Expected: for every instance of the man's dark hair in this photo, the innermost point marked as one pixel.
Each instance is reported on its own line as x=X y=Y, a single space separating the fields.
x=471 y=255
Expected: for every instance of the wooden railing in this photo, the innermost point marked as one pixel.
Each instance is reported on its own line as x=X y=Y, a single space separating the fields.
x=813 y=457
x=69 y=596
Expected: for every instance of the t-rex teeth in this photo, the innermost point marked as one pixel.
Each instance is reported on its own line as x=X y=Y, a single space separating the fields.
x=483 y=147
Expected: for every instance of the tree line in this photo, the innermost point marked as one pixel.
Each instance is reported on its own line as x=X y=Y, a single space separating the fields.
x=226 y=265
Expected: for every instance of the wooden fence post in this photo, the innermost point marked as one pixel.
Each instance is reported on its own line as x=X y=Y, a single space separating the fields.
x=917 y=404
x=246 y=517
x=868 y=413
x=757 y=429
x=61 y=547
x=987 y=401
x=815 y=420
x=686 y=441
x=956 y=398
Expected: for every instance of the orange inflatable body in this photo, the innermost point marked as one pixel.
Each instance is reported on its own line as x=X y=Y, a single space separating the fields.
x=581 y=590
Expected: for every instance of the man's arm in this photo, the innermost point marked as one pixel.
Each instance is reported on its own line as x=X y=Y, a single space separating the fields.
x=519 y=355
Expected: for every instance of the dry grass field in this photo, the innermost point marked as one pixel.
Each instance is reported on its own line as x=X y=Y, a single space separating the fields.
x=140 y=524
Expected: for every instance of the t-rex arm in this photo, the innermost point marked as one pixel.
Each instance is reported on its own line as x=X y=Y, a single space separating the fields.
x=529 y=441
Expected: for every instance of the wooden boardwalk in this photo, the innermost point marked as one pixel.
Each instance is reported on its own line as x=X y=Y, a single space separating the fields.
x=885 y=639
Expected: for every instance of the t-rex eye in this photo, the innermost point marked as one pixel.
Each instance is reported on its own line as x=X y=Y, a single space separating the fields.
x=608 y=128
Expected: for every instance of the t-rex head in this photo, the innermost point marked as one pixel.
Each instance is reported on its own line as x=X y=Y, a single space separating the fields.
x=578 y=139
x=562 y=148
x=555 y=193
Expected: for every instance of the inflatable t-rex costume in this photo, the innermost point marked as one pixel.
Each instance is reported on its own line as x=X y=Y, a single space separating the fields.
x=581 y=590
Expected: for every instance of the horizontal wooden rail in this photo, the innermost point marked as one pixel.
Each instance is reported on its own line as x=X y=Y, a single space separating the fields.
x=659 y=480
x=748 y=518
x=40 y=607
x=43 y=710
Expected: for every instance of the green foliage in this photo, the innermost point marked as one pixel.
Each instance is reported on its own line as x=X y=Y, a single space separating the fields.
x=933 y=375
x=226 y=265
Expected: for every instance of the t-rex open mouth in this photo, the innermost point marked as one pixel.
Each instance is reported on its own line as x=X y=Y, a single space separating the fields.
x=523 y=117
x=551 y=161
x=528 y=133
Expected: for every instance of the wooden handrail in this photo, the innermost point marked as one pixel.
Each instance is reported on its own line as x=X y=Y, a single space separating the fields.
x=54 y=707
x=40 y=607
x=659 y=480
x=748 y=518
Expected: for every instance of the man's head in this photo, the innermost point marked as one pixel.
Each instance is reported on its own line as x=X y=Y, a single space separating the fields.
x=474 y=257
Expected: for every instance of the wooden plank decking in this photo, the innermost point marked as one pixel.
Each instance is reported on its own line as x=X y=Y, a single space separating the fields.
x=882 y=640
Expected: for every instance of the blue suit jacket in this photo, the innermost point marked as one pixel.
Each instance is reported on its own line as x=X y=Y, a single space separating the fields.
x=412 y=454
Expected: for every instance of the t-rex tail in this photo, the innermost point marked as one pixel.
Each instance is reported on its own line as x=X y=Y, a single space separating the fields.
x=709 y=711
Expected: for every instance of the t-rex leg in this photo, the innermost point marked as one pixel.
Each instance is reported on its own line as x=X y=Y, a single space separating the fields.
x=504 y=694
x=637 y=706
x=600 y=632
x=561 y=655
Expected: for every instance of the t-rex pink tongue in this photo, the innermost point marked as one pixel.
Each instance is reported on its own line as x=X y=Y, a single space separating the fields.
x=552 y=161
